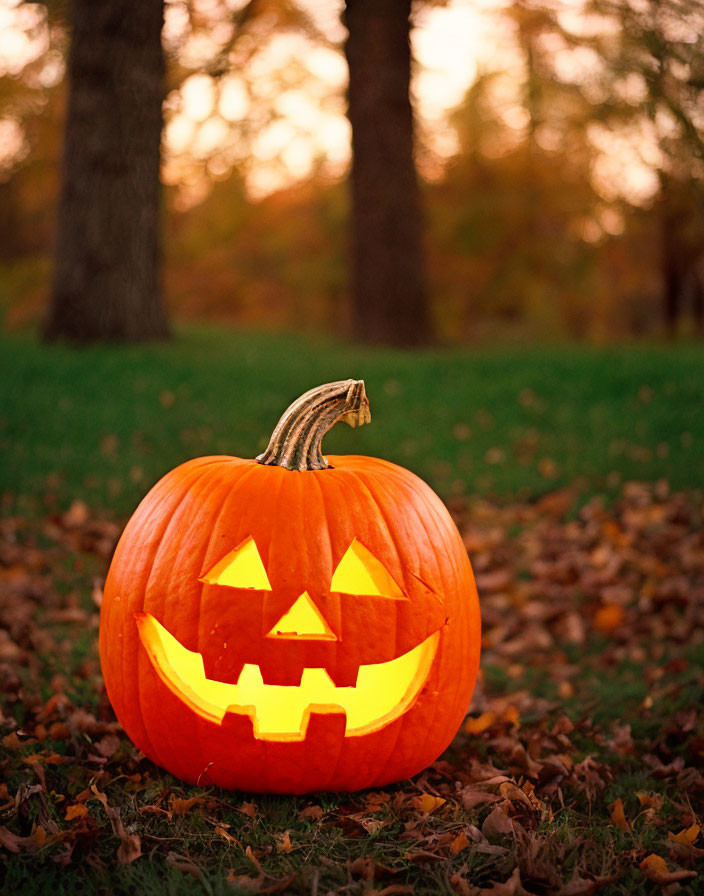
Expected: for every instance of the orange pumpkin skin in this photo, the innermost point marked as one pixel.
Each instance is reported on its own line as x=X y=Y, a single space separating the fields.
x=302 y=524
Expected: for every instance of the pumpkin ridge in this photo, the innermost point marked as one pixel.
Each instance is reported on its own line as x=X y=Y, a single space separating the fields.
x=140 y=664
x=207 y=491
x=381 y=482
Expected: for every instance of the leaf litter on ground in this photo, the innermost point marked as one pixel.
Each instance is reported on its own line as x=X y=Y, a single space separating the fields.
x=579 y=769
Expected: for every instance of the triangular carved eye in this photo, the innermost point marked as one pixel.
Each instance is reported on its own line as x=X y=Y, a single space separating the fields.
x=359 y=572
x=241 y=568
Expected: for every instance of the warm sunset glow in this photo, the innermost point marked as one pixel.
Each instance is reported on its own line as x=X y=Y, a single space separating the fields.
x=383 y=691
x=283 y=120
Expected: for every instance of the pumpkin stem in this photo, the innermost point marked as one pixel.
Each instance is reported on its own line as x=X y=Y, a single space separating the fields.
x=296 y=442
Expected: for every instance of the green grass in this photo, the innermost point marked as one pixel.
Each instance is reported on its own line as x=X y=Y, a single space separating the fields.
x=104 y=423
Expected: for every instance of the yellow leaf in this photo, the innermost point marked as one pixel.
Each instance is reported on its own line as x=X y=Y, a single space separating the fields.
x=618 y=816
x=428 y=803
x=460 y=842
x=39 y=835
x=78 y=810
x=650 y=800
x=687 y=836
x=481 y=723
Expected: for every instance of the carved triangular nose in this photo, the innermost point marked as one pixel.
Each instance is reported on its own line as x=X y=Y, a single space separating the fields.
x=303 y=620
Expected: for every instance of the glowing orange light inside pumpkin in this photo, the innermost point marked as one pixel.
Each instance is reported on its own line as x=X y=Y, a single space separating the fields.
x=280 y=712
x=241 y=568
x=303 y=620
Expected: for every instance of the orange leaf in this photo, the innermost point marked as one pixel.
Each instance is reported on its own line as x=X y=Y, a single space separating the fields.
x=618 y=816
x=481 y=723
x=253 y=859
x=511 y=715
x=283 y=841
x=180 y=806
x=654 y=866
x=220 y=829
x=427 y=803
x=78 y=810
x=460 y=842
x=39 y=835
x=608 y=618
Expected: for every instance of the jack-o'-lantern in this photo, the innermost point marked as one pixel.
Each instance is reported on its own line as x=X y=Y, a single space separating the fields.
x=294 y=622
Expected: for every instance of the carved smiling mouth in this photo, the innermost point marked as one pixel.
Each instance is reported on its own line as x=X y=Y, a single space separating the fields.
x=382 y=693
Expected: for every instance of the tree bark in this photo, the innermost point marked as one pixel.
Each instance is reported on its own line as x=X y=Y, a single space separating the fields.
x=388 y=286
x=107 y=283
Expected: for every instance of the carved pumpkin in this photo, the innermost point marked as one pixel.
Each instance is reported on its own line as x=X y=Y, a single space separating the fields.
x=291 y=623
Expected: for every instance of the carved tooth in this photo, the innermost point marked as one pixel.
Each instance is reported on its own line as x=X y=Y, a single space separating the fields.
x=250 y=676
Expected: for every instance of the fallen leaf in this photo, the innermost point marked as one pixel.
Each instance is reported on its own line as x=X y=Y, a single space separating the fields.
x=221 y=830
x=14 y=843
x=427 y=803
x=497 y=824
x=249 y=809
x=460 y=842
x=608 y=618
x=687 y=836
x=283 y=841
x=78 y=810
x=314 y=812
x=618 y=816
x=655 y=868
x=481 y=723
x=179 y=806
x=650 y=800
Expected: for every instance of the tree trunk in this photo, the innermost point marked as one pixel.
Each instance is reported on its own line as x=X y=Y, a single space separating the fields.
x=389 y=296
x=108 y=251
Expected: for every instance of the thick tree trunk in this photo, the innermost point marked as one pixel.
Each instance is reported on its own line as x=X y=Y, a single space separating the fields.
x=107 y=267
x=389 y=296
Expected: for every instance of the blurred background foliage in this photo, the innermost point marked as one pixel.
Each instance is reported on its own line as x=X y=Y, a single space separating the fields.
x=559 y=146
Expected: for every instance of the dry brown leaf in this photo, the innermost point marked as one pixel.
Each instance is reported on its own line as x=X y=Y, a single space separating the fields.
x=249 y=809
x=283 y=841
x=221 y=830
x=472 y=796
x=253 y=859
x=313 y=812
x=497 y=824
x=13 y=843
x=179 y=806
x=130 y=847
